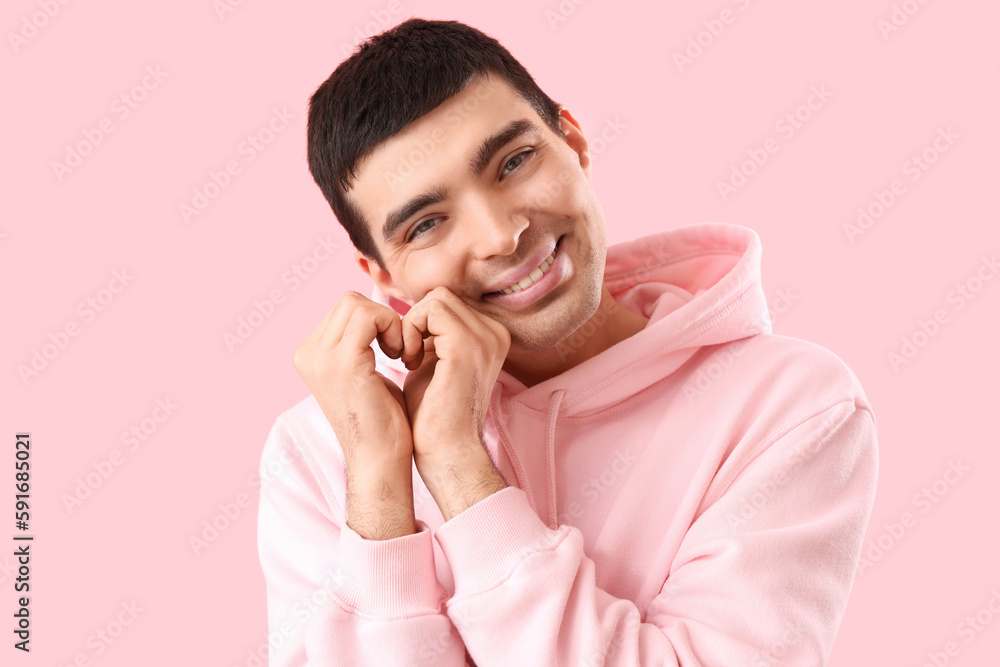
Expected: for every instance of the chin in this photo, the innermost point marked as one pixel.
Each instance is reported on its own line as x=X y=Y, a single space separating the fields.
x=557 y=324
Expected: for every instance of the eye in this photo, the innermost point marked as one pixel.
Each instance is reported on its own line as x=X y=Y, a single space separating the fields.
x=523 y=155
x=421 y=228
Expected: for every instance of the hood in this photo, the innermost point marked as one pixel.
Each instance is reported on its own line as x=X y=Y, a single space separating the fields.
x=698 y=284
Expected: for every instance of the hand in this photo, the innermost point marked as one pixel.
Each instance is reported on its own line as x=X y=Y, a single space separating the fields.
x=366 y=410
x=448 y=388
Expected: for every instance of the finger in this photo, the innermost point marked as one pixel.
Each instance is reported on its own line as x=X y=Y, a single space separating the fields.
x=318 y=339
x=419 y=323
x=463 y=311
x=413 y=347
x=365 y=323
x=442 y=313
x=341 y=314
x=429 y=317
x=481 y=326
x=391 y=340
x=440 y=306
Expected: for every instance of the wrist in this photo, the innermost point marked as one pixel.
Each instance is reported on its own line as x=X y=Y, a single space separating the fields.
x=380 y=502
x=461 y=480
x=376 y=519
x=439 y=450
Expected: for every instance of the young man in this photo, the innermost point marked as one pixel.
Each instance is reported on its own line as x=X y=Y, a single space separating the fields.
x=528 y=448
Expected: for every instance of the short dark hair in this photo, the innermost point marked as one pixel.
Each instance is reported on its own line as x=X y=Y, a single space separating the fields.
x=389 y=81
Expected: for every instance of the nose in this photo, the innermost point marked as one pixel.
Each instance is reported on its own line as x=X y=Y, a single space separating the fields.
x=495 y=231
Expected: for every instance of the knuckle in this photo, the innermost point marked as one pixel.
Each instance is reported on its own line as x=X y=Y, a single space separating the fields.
x=301 y=356
x=501 y=332
x=352 y=298
x=442 y=292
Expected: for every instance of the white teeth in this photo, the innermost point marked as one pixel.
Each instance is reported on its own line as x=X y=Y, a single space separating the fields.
x=532 y=277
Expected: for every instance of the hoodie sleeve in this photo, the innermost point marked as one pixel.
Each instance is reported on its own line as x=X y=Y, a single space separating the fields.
x=761 y=578
x=333 y=597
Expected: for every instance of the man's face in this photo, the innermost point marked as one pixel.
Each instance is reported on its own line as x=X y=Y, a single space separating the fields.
x=448 y=204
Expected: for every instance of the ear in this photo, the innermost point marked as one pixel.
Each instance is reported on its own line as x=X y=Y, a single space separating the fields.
x=575 y=138
x=381 y=277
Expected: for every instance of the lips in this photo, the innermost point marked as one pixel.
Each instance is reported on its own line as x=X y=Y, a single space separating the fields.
x=532 y=278
x=525 y=277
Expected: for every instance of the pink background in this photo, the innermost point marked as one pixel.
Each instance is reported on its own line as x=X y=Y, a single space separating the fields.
x=682 y=130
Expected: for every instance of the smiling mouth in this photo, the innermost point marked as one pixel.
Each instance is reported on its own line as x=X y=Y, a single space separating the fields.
x=534 y=276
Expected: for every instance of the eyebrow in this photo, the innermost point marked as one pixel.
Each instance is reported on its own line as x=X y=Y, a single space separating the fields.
x=515 y=129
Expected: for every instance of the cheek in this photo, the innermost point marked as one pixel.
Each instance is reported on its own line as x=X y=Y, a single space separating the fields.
x=428 y=269
x=558 y=187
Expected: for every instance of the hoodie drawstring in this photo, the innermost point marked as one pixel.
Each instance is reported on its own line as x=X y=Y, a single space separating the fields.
x=550 y=453
x=499 y=419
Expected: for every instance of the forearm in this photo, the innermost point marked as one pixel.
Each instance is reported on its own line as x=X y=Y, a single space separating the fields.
x=380 y=500
x=460 y=477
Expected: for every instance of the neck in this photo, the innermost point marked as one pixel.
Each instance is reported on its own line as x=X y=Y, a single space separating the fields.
x=610 y=324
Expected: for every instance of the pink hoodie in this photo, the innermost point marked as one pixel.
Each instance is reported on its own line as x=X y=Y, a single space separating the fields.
x=695 y=495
